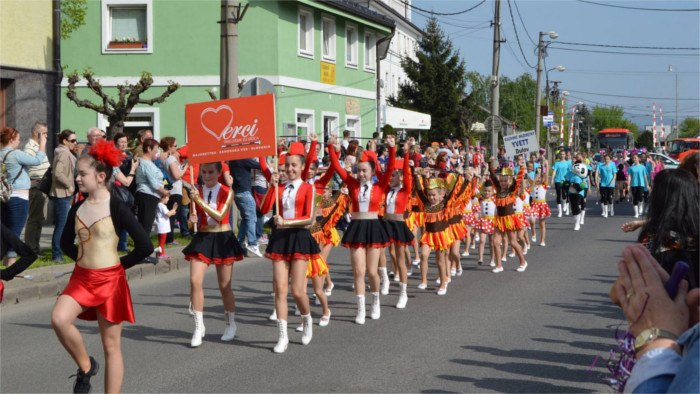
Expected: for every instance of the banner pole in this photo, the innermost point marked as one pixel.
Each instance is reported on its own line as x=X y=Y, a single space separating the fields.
x=193 y=208
x=277 y=200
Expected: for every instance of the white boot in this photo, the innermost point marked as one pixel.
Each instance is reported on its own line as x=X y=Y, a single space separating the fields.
x=559 y=208
x=636 y=211
x=282 y=341
x=583 y=215
x=605 y=211
x=307 y=330
x=641 y=208
x=230 y=331
x=385 y=280
x=273 y=316
x=612 y=209
x=403 y=297
x=577 y=222
x=198 y=327
x=376 y=307
x=360 y=317
x=567 y=208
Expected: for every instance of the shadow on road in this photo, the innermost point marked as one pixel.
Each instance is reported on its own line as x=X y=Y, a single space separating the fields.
x=511 y=385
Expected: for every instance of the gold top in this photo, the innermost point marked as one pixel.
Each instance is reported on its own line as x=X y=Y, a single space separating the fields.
x=213 y=213
x=97 y=243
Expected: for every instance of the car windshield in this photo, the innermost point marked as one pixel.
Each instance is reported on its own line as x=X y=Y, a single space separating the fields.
x=676 y=147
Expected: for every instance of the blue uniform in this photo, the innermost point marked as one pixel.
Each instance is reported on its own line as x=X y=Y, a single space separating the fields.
x=575 y=179
x=607 y=174
x=637 y=173
x=563 y=168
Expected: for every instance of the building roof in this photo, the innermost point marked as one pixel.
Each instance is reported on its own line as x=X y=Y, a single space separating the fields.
x=360 y=10
x=397 y=15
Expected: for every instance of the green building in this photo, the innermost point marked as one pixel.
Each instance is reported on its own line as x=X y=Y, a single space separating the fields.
x=321 y=56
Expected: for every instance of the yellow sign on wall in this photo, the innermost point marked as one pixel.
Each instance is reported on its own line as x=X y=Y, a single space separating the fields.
x=328 y=73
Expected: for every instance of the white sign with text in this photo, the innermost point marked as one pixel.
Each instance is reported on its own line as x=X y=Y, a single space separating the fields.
x=520 y=144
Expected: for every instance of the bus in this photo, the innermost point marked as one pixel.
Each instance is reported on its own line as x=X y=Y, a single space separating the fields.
x=681 y=147
x=615 y=139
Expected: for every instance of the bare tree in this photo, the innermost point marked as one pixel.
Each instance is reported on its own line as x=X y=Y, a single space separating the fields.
x=129 y=95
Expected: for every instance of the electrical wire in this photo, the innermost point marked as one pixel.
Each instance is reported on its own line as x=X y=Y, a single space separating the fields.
x=634 y=97
x=641 y=8
x=626 y=53
x=443 y=13
x=623 y=46
x=516 y=35
x=515 y=3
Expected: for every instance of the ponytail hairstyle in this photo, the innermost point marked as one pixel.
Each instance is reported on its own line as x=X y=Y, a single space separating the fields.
x=103 y=157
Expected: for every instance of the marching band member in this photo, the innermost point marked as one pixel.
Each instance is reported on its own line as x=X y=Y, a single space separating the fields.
x=540 y=208
x=506 y=222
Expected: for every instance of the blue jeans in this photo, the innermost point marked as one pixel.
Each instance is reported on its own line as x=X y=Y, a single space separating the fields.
x=246 y=208
x=14 y=216
x=61 y=206
x=121 y=245
x=183 y=215
x=260 y=217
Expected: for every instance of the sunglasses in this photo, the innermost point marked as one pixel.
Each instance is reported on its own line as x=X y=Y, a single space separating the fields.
x=73 y=141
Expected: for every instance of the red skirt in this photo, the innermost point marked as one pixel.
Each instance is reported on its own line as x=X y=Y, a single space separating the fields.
x=522 y=219
x=485 y=225
x=469 y=219
x=103 y=289
x=541 y=210
x=507 y=223
x=439 y=241
x=459 y=230
x=527 y=211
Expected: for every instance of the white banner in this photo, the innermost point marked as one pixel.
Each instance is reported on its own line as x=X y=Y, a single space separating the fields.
x=521 y=144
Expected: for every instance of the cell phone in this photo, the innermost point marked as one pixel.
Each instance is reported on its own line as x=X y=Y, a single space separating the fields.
x=679 y=271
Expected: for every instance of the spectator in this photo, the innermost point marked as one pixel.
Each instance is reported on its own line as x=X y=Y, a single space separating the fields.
x=658 y=167
x=62 y=188
x=242 y=187
x=124 y=174
x=37 y=200
x=121 y=141
x=346 y=139
x=172 y=168
x=142 y=135
x=149 y=185
x=93 y=135
x=14 y=212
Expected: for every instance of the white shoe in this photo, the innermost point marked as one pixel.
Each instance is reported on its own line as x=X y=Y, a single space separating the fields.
x=296 y=311
x=230 y=331
x=273 y=316
x=522 y=268
x=534 y=238
x=403 y=297
x=254 y=250
x=497 y=270
x=466 y=253
x=525 y=249
x=325 y=319
x=329 y=290
x=577 y=222
x=198 y=328
x=416 y=262
x=474 y=246
x=396 y=279
x=512 y=254
x=423 y=286
x=492 y=264
x=283 y=340
x=317 y=301
x=442 y=291
x=308 y=333
x=605 y=211
x=476 y=238
x=360 y=318
x=459 y=272
x=542 y=244
x=453 y=271
x=636 y=211
x=612 y=210
x=583 y=215
x=410 y=271
x=437 y=281
x=504 y=258
x=376 y=311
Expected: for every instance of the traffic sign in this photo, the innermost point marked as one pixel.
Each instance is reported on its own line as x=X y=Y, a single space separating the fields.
x=549 y=119
x=493 y=123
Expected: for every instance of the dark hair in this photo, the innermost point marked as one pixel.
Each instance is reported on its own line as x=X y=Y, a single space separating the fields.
x=314 y=164
x=7 y=134
x=148 y=144
x=375 y=134
x=167 y=142
x=99 y=166
x=674 y=206
x=302 y=158
x=65 y=134
x=119 y=136
x=371 y=164
x=690 y=163
x=346 y=133
x=216 y=164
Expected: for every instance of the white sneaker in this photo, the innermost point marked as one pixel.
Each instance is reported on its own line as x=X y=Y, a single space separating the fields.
x=416 y=262
x=254 y=250
x=230 y=331
x=360 y=317
x=466 y=253
x=534 y=238
x=497 y=270
x=504 y=258
x=376 y=311
x=423 y=286
x=283 y=340
x=492 y=264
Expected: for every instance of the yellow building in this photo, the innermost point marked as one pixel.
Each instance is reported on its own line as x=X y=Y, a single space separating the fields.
x=28 y=80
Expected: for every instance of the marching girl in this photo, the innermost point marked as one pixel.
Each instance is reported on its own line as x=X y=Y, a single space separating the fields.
x=98 y=289
x=519 y=209
x=540 y=208
x=505 y=223
x=485 y=226
x=476 y=209
x=214 y=244
x=456 y=221
x=470 y=221
x=417 y=221
x=291 y=245
x=365 y=236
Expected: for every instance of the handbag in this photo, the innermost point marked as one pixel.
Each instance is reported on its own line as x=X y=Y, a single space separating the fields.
x=123 y=194
x=6 y=186
x=46 y=182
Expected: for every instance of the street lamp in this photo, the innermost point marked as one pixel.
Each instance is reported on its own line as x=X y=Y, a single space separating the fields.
x=541 y=50
x=673 y=67
x=559 y=68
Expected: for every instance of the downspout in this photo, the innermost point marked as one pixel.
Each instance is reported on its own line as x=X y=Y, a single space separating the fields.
x=381 y=56
x=57 y=69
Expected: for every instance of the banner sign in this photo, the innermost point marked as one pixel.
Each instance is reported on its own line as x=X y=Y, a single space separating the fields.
x=520 y=144
x=231 y=129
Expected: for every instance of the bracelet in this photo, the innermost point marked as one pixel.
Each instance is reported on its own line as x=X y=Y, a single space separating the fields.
x=129 y=174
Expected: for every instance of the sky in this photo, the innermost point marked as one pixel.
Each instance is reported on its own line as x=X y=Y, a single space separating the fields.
x=590 y=77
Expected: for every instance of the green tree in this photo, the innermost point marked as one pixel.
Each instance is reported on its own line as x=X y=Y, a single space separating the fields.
x=516 y=100
x=436 y=83
x=612 y=118
x=72 y=16
x=690 y=128
x=646 y=140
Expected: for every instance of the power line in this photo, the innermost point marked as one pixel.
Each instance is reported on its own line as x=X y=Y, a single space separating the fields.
x=516 y=35
x=523 y=23
x=443 y=13
x=641 y=8
x=626 y=53
x=623 y=46
x=634 y=97
x=625 y=72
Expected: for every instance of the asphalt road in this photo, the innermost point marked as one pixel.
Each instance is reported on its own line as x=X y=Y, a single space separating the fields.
x=537 y=331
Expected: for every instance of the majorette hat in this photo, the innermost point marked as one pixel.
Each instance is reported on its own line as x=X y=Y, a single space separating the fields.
x=296 y=148
x=435 y=183
x=281 y=159
x=398 y=164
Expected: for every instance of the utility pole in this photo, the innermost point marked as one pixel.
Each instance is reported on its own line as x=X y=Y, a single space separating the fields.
x=228 y=59
x=541 y=51
x=495 y=93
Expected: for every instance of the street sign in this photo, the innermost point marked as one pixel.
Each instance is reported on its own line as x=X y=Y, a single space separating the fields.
x=548 y=119
x=493 y=123
x=554 y=129
x=258 y=86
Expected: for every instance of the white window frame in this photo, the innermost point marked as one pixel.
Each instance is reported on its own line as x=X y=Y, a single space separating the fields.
x=353 y=46
x=370 y=61
x=354 y=132
x=333 y=37
x=309 y=34
x=308 y=112
x=107 y=25
x=153 y=125
x=336 y=123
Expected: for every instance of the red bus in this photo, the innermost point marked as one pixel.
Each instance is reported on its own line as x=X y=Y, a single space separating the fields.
x=614 y=139
x=681 y=147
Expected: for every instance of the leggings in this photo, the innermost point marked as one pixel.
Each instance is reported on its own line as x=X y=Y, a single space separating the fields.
x=561 y=192
x=606 y=195
x=147 y=206
x=637 y=194
x=174 y=198
x=576 y=203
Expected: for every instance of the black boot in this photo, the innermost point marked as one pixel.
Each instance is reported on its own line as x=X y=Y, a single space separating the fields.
x=82 y=380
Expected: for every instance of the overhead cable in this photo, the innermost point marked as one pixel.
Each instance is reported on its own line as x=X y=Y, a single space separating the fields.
x=624 y=46
x=625 y=53
x=442 y=13
x=516 y=35
x=642 y=8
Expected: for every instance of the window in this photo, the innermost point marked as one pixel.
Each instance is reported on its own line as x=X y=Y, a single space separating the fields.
x=351 y=46
x=370 y=52
x=139 y=118
x=305 y=121
x=306 y=33
x=352 y=123
x=328 y=34
x=127 y=26
x=330 y=124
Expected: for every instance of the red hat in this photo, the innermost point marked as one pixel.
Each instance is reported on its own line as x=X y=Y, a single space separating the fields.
x=281 y=159
x=368 y=155
x=296 y=148
x=398 y=164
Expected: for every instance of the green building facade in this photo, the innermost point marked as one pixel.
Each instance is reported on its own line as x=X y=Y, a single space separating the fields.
x=319 y=55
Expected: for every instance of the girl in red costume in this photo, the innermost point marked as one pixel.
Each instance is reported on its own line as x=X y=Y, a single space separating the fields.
x=456 y=221
x=540 y=208
x=98 y=289
x=291 y=246
x=213 y=244
x=506 y=222
x=365 y=235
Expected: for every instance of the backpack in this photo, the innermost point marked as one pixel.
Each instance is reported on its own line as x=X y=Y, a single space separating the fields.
x=5 y=185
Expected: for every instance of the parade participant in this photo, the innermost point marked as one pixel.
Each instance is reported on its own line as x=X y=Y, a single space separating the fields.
x=638 y=183
x=485 y=227
x=469 y=220
x=417 y=221
x=8 y=240
x=540 y=208
x=291 y=246
x=620 y=183
x=606 y=182
x=215 y=244
x=505 y=222
x=578 y=183
x=98 y=289
x=365 y=236
x=455 y=210
x=560 y=171
x=519 y=209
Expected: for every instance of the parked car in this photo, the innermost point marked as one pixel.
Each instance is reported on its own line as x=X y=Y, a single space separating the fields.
x=668 y=161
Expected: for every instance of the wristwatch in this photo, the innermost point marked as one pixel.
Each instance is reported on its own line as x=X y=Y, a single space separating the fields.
x=651 y=334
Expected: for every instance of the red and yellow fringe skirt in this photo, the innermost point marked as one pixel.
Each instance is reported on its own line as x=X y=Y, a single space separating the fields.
x=439 y=241
x=317 y=266
x=507 y=223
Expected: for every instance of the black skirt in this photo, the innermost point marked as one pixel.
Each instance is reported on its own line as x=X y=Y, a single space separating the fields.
x=292 y=244
x=214 y=248
x=398 y=232
x=365 y=233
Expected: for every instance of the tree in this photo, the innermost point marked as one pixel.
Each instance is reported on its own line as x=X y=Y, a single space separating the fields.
x=516 y=100
x=435 y=83
x=72 y=16
x=612 y=118
x=646 y=140
x=689 y=128
x=128 y=97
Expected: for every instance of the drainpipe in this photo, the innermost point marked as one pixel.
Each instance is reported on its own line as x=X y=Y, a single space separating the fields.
x=56 y=22
x=382 y=49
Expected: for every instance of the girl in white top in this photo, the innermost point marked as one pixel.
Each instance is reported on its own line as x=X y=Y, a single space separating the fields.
x=163 y=215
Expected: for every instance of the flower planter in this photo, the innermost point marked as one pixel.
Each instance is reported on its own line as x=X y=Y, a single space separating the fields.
x=127 y=45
